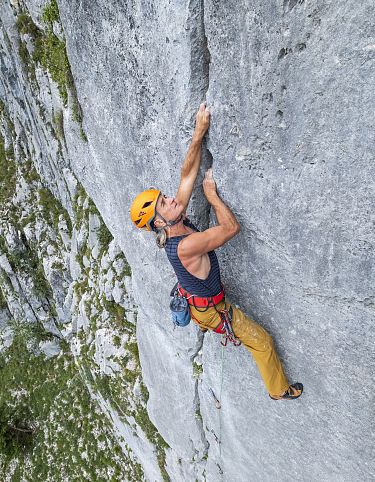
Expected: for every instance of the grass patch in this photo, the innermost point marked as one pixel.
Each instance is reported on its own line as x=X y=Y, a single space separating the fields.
x=133 y=349
x=8 y=171
x=29 y=172
x=51 y=13
x=82 y=134
x=3 y=301
x=81 y=214
x=58 y=125
x=143 y=420
x=116 y=312
x=50 y=53
x=127 y=269
x=26 y=26
x=48 y=398
x=197 y=370
x=104 y=235
x=27 y=260
x=52 y=208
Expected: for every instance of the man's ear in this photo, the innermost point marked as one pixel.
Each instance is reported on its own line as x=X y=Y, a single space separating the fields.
x=158 y=223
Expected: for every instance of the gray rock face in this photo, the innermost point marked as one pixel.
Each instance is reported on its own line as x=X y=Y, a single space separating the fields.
x=291 y=140
x=291 y=143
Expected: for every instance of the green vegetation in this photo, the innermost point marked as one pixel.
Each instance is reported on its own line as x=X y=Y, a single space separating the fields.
x=127 y=269
x=27 y=260
x=104 y=237
x=144 y=392
x=58 y=124
x=118 y=389
x=26 y=25
x=116 y=312
x=29 y=172
x=49 y=50
x=143 y=420
x=8 y=121
x=58 y=265
x=46 y=413
x=3 y=301
x=51 y=13
x=133 y=349
x=3 y=245
x=52 y=208
x=53 y=389
x=50 y=53
x=82 y=134
x=197 y=370
x=8 y=171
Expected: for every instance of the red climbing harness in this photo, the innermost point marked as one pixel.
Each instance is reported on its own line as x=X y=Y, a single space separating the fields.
x=199 y=302
x=224 y=328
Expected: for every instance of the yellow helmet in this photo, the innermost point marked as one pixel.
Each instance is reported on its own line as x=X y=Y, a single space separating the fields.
x=143 y=209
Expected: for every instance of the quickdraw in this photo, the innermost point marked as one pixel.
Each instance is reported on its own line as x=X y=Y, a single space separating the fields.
x=227 y=325
x=202 y=304
x=217 y=402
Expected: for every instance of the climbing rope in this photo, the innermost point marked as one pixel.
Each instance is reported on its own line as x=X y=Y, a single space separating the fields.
x=221 y=392
x=227 y=334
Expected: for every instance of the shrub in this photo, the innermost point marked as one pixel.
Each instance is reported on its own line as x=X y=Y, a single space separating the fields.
x=51 y=13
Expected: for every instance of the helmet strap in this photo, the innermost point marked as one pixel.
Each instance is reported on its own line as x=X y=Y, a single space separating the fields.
x=170 y=223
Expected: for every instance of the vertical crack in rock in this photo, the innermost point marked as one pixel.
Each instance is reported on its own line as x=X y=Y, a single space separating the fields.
x=199 y=84
x=208 y=159
x=199 y=53
x=197 y=404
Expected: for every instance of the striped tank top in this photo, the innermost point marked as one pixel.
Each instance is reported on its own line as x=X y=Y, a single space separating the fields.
x=210 y=286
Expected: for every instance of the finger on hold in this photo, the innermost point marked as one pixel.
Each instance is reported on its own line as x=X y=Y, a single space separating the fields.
x=203 y=105
x=209 y=173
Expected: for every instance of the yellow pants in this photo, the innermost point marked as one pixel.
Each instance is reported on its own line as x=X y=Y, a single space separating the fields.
x=254 y=338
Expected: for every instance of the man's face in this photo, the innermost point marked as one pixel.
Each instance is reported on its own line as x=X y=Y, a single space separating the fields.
x=168 y=207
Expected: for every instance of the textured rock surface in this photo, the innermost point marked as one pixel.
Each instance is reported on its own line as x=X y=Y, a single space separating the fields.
x=291 y=142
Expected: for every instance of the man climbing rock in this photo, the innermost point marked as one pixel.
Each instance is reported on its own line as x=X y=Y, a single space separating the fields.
x=193 y=258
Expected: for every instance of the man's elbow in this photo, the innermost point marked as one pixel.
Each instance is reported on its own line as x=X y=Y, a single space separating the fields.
x=237 y=229
x=234 y=230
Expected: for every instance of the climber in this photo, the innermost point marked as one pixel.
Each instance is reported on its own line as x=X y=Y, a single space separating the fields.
x=193 y=258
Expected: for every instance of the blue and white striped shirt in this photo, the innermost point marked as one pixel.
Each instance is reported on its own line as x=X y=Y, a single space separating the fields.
x=208 y=287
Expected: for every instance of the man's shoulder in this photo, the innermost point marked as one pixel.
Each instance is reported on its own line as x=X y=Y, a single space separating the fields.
x=186 y=247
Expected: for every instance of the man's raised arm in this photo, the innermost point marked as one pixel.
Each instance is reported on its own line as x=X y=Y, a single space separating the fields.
x=190 y=167
x=199 y=243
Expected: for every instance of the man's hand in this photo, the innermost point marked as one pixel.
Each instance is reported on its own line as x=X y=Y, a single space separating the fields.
x=190 y=167
x=209 y=186
x=202 y=121
x=196 y=244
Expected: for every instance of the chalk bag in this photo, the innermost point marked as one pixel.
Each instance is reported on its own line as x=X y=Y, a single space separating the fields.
x=179 y=307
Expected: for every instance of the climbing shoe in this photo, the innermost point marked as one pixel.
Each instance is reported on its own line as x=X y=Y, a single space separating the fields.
x=294 y=391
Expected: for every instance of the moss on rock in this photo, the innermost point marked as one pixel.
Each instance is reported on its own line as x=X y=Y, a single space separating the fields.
x=52 y=209
x=8 y=173
x=50 y=53
x=49 y=398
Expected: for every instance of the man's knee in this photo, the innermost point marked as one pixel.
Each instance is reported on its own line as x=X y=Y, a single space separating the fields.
x=249 y=329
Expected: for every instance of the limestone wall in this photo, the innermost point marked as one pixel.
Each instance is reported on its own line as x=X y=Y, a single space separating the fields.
x=290 y=86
